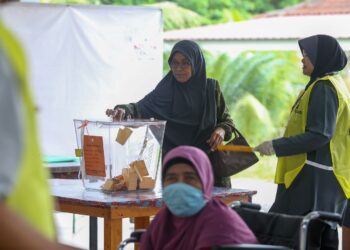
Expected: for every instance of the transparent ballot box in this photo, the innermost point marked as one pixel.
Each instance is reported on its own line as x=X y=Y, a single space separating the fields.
x=118 y=156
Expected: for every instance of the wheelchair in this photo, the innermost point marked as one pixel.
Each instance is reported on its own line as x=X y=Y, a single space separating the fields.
x=285 y=231
x=274 y=231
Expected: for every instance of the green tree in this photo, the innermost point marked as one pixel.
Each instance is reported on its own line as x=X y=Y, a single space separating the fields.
x=177 y=17
x=254 y=7
x=127 y=2
x=200 y=7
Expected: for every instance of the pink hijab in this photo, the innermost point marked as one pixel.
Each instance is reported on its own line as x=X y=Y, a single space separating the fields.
x=215 y=224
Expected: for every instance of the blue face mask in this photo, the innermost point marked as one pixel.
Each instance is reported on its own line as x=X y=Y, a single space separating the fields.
x=183 y=200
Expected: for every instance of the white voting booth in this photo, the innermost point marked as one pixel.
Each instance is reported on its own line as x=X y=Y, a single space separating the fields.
x=83 y=60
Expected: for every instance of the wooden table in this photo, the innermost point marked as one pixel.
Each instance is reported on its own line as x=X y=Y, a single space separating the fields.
x=73 y=198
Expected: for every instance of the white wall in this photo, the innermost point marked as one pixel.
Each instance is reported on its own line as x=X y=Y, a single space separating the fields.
x=83 y=60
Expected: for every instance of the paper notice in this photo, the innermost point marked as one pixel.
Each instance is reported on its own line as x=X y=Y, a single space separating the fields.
x=94 y=156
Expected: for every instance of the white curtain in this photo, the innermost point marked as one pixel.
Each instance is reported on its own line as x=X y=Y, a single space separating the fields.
x=83 y=60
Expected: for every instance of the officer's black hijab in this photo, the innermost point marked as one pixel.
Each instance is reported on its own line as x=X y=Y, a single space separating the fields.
x=325 y=54
x=189 y=108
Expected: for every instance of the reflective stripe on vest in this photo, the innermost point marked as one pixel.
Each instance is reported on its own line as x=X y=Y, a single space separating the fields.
x=289 y=167
x=30 y=196
x=318 y=165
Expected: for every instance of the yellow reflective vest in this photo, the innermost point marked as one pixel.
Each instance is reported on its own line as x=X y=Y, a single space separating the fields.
x=30 y=196
x=288 y=167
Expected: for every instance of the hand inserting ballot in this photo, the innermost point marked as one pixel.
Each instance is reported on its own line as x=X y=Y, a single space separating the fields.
x=117 y=114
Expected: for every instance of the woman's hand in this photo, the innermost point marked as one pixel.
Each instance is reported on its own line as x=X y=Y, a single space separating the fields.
x=216 y=138
x=117 y=114
x=109 y=112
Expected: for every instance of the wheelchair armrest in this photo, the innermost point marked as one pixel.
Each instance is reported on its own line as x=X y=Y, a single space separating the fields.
x=313 y=216
x=329 y=216
x=250 y=247
x=135 y=237
x=245 y=205
x=320 y=215
x=137 y=234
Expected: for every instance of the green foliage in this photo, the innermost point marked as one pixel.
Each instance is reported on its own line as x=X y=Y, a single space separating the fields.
x=216 y=64
x=166 y=67
x=285 y=3
x=200 y=7
x=116 y=2
x=253 y=119
x=237 y=15
x=176 y=17
x=219 y=4
x=70 y=1
x=261 y=6
x=128 y=2
x=219 y=11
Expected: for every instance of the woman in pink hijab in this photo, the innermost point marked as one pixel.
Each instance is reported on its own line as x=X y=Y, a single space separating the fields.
x=192 y=218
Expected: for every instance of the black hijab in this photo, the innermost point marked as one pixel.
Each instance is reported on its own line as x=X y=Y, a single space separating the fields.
x=189 y=108
x=325 y=54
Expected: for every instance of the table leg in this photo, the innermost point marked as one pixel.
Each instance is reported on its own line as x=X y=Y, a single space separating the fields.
x=141 y=223
x=112 y=233
x=93 y=233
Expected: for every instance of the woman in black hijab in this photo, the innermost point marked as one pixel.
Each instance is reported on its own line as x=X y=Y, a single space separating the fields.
x=191 y=103
x=312 y=170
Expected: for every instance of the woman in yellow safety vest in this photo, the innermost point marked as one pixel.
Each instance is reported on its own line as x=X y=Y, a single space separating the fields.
x=313 y=170
x=26 y=205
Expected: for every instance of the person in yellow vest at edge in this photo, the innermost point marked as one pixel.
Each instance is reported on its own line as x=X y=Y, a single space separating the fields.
x=26 y=207
x=313 y=168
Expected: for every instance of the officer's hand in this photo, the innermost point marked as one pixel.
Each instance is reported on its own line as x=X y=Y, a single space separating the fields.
x=265 y=148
